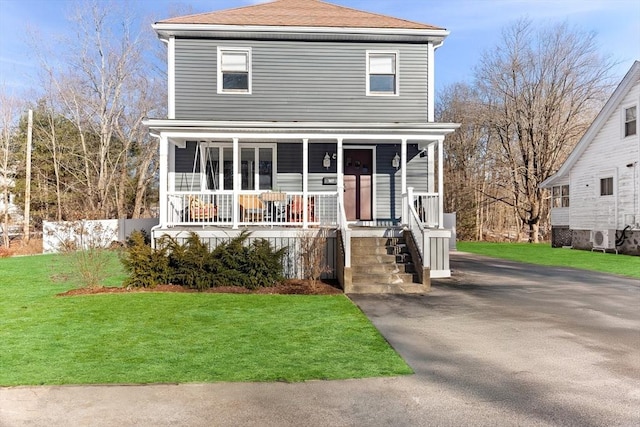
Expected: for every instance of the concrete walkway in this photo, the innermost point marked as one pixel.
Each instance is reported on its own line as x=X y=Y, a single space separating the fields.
x=499 y=344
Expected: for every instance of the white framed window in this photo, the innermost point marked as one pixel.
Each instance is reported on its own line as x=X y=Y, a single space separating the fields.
x=234 y=70
x=382 y=73
x=560 y=196
x=257 y=166
x=630 y=121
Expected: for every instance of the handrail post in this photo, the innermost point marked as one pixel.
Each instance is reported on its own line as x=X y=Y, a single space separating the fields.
x=406 y=204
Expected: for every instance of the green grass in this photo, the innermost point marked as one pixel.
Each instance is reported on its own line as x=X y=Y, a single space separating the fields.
x=176 y=337
x=544 y=254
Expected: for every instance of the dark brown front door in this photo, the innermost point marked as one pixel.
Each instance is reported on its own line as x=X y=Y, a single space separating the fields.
x=358 y=191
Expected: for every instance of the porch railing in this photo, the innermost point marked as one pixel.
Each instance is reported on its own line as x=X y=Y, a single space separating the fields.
x=252 y=208
x=432 y=244
x=427 y=207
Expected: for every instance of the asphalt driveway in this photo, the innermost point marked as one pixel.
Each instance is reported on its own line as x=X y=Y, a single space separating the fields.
x=500 y=343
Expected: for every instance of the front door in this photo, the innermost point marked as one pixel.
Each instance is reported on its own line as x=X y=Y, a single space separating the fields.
x=358 y=188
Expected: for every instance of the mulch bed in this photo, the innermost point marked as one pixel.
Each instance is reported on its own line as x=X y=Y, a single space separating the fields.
x=288 y=287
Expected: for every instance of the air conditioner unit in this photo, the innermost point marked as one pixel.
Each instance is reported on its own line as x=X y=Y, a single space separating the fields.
x=603 y=239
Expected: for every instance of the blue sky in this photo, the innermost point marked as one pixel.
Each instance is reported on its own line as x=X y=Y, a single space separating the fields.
x=475 y=26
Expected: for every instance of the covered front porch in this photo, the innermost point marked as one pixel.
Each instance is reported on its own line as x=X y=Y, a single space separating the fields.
x=282 y=177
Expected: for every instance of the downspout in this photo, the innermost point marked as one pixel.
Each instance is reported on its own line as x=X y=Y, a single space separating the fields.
x=171 y=77
x=431 y=80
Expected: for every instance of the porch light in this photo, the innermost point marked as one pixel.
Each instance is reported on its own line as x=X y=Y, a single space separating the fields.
x=326 y=162
x=396 y=161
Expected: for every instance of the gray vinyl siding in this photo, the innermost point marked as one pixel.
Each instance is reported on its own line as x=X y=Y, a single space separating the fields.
x=299 y=81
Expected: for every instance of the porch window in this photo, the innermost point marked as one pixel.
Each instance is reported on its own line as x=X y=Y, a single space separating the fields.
x=630 y=121
x=234 y=70
x=256 y=168
x=382 y=73
x=560 y=196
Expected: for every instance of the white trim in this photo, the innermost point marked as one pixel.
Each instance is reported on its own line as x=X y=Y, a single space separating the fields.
x=396 y=89
x=166 y=29
x=171 y=78
x=248 y=51
x=163 y=170
x=307 y=127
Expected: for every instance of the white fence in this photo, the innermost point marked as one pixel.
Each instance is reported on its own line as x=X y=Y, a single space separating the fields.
x=90 y=233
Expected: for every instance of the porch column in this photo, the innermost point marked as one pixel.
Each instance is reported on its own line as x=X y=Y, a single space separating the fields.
x=305 y=182
x=403 y=180
x=164 y=175
x=340 y=177
x=431 y=168
x=440 y=183
x=237 y=183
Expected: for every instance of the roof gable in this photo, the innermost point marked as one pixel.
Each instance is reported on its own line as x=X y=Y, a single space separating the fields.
x=299 y=13
x=630 y=79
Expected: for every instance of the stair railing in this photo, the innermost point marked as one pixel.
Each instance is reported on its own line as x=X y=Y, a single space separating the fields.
x=345 y=233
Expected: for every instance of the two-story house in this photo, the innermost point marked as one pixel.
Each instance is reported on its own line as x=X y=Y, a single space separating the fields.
x=596 y=193
x=297 y=115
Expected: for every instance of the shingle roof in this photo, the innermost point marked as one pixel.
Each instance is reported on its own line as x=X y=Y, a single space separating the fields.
x=299 y=13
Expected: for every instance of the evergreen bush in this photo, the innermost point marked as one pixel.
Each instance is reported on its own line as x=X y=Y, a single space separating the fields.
x=192 y=264
x=146 y=267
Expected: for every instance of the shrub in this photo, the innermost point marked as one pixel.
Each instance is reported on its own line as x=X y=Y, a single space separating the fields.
x=313 y=254
x=193 y=265
x=146 y=267
x=86 y=247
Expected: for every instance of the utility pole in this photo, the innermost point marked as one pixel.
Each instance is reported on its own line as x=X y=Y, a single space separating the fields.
x=27 y=185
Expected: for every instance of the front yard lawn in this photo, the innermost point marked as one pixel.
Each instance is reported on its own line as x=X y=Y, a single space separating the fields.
x=544 y=254
x=178 y=337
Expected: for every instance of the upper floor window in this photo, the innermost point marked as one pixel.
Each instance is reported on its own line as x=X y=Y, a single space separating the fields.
x=234 y=70
x=560 y=196
x=382 y=73
x=606 y=186
x=630 y=121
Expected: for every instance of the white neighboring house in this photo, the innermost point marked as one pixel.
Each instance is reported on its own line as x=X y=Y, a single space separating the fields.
x=596 y=193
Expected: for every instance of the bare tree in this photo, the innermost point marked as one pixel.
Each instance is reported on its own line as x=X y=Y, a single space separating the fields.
x=102 y=85
x=541 y=90
x=10 y=109
x=466 y=159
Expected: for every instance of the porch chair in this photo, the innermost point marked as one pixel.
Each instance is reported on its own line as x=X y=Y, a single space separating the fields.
x=201 y=211
x=296 y=208
x=251 y=208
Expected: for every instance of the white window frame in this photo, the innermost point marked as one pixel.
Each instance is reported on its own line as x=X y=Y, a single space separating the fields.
x=624 y=120
x=613 y=185
x=221 y=51
x=396 y=91
x=221 y=146
x=560 y=198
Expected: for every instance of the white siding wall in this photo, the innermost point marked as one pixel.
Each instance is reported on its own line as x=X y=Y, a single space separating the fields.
x=607 y=156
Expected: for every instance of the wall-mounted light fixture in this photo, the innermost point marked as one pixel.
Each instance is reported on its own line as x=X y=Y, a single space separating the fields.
x=396 y=161
x=326 y=162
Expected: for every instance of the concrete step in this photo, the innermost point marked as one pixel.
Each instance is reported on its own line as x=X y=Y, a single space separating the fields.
x=367 y=259
x=386 y=268
x=379 y=250
x=402 y=288
x=375 y=241
x=382 y=279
